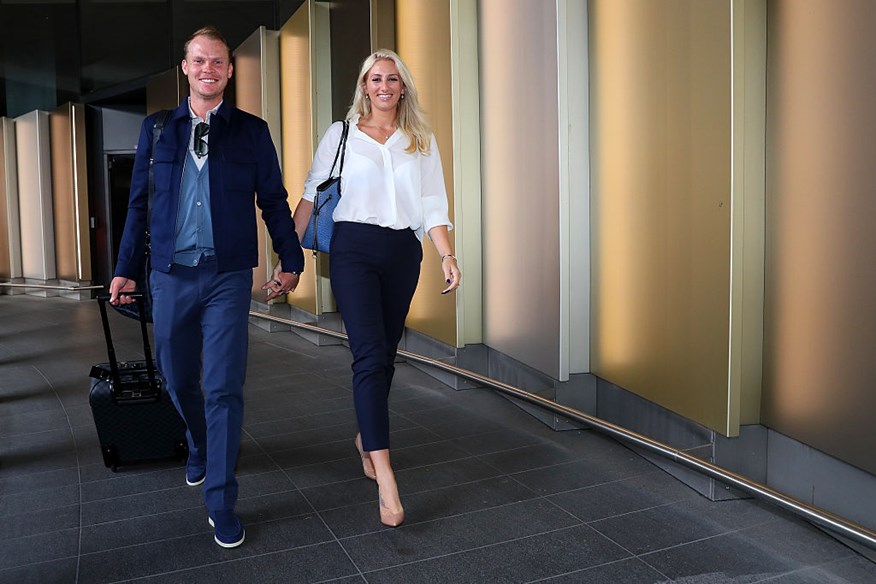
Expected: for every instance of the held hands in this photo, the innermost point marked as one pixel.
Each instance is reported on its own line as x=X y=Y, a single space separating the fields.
x=452 y=275
x=281 y=284
x=121 y=284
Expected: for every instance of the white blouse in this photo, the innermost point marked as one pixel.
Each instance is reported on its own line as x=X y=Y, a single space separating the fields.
x=381 y=183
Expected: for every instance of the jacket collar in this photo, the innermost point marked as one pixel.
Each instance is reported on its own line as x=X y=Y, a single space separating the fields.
x=182 y=110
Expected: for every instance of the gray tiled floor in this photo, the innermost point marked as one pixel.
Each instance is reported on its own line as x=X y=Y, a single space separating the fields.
x=491 y=494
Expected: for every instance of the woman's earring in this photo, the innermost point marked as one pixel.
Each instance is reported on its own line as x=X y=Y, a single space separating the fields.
x=367 y=96
x=402 y=95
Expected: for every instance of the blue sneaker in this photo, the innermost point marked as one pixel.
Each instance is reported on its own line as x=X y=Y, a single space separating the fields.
x=228 y=530
x=196 y=472
x=195 y=477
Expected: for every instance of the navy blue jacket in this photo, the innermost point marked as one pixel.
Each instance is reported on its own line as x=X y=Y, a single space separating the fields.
x=243 y=166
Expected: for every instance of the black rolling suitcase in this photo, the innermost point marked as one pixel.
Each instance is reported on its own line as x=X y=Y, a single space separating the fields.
x=135 y=418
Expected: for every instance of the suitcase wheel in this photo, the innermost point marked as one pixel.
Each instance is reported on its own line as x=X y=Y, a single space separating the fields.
x=182 y=450
x=110 y=457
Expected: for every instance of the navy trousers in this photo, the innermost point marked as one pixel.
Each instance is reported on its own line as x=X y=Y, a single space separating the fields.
x=374 y=273
x=201 y=318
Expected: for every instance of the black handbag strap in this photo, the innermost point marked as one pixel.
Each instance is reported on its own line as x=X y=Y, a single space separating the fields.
x=341 y=152
x=157 y=129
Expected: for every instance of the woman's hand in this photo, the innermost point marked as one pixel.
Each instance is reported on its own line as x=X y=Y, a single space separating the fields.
x=452 y=275
x=441 y=238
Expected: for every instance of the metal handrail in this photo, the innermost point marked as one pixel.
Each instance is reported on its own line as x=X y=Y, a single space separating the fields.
x=849 y=529
x=50 y=286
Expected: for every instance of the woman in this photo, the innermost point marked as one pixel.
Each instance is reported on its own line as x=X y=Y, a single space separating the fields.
x=393 y=193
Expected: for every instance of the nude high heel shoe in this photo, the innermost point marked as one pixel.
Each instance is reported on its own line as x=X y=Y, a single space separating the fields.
x=388 y=517
x=367 y=465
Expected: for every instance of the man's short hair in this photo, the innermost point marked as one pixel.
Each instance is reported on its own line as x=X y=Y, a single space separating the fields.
x=209 y=31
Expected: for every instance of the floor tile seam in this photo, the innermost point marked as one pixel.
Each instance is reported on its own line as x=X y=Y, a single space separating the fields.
x=593 y=567
x=432 y=490
x=308 y=501
x=182 y=509
x=304 y=416
x=78 y=467
x=115 y=476
x=481 y=480
x=61 y=417
x=267 y=343
x=402 y=400
x=773 y=577
x=102 y=501
x=275 y=436
x=547 y=500
x=221 y=562
x=812 y=567
x=29 y=564
x=543 y=467
x=297 y=431
x=539 y=439
x=302 y=395
x=281 y=437
x=178 y=487
x=55 y=409
x=633 y=512
x=47 y=510
x=397 y=472
x=610 y=482
x=34 y=475
x=644 y=555
x=308 y=345
x=23 y=538
x=463 y=514
x=344 y=440
x=483 y=547
x=250 y=425
x=261 y=402
x=207 y=530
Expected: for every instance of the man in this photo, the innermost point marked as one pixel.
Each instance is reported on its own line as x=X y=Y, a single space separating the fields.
x=210 y=160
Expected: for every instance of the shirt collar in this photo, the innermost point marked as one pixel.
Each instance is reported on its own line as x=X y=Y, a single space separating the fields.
x=194 y=116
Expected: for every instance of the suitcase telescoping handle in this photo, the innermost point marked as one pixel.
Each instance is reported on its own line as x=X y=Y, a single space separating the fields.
x=102 y=299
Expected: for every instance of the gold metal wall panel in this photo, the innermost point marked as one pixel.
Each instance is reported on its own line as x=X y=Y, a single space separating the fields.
x=661 y=202
x=70 y=194
x=819 y=333
x=166 y=90
x=423 y=41
x=574 y=187
x=298 y=131
x=10 y=232
x=748 y=209
x=520 y=177
x=466 y=158
x=35 y=196
x=383 y=23
x=256 y=69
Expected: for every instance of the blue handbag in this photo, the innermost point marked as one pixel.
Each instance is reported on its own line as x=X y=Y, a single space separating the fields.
x=318 y=235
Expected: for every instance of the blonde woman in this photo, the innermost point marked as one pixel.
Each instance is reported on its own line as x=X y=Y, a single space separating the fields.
x=393 y=193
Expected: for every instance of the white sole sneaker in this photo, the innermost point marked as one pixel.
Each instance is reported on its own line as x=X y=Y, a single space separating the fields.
x=222 y=543
x=196 y=483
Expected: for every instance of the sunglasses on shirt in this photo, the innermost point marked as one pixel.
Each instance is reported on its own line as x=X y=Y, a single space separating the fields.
x=201 y=145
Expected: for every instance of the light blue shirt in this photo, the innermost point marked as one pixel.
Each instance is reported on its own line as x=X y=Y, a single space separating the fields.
x=194 y=224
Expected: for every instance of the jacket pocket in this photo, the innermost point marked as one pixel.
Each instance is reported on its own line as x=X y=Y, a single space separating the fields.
x=239 y=170
x=162 y=167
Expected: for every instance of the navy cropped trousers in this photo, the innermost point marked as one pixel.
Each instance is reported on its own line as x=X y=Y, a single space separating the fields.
x=374 y=273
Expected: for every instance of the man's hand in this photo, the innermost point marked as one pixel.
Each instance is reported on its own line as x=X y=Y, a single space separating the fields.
x=282 y=283
x=120 y=284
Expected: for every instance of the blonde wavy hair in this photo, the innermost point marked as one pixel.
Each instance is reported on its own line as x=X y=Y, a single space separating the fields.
x=411 y=118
